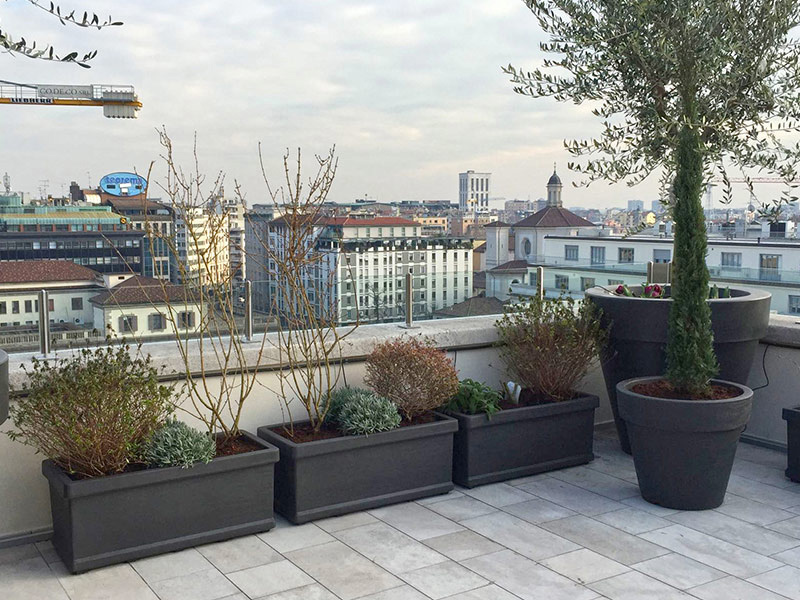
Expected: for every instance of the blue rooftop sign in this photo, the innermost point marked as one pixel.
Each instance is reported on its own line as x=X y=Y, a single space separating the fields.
x=123 y=184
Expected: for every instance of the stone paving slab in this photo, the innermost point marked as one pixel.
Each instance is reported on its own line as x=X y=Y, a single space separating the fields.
x=577 y=534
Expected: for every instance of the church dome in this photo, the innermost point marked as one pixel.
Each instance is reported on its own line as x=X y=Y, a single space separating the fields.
x=554 y=179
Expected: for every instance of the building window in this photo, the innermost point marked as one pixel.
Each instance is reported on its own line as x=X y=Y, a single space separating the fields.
x=128 y=324
x=77 y=304
x=28 y=306
x=616 y=282
x=570 y=253
x=186 y=319
x=598 y=255
x=562 y=283
x=51 y=305
x=3 y=309
x=794 y=305
x=626 y=255
x=770 y=265
x=527 y=246
x=662 y=256
x=156 y=322
x=586 y=283
x=15 y=307
x=732 y=260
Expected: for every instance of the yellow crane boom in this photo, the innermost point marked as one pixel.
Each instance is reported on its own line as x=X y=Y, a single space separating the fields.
x=118 y=101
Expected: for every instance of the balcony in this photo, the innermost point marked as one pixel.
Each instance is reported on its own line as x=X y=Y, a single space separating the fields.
x=579 y=533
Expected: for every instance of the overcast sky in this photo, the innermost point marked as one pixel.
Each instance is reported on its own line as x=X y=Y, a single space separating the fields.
x=410 y=92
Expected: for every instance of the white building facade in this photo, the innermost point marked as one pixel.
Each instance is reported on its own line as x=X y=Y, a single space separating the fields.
x=474 y=190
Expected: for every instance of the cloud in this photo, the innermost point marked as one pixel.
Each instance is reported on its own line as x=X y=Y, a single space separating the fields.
x=411 y=93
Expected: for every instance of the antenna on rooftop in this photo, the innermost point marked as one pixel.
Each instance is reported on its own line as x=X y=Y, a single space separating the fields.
x=7 y=183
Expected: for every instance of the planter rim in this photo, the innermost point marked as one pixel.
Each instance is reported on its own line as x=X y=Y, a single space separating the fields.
x=74 y=488
x=791 y=413
x=625 y=385
x=442 y=424
x=579 y=402
x=607 y=292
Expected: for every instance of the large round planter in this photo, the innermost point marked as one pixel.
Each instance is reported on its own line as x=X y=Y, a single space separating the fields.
x=638 y=337
x=683 y=450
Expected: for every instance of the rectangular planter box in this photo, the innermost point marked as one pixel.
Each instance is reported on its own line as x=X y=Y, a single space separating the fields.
x=523 y=441
x=792 y=418
x=107 y=520
x=332 y=477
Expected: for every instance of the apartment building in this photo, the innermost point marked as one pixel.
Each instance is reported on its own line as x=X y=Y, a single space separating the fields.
x=474 y=190
x=148 y=216
x=202 y=246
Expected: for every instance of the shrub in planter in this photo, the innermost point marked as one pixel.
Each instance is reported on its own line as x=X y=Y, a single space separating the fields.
x=547 y=346
x=382 y=458
x=177 y=444
x=474 y=397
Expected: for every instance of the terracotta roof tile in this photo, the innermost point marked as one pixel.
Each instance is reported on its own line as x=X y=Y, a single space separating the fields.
x=35 y=271
x=551 y=216
x=512 y=265
x=472 y=307
x=143 y=290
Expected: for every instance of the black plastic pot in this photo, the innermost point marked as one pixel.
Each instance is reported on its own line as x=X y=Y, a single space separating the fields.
x=792 y=418
x=638 y=337
x=107 y=520
x=523 y=441
x=3 y=386
x=336 y=476
x=683 y=450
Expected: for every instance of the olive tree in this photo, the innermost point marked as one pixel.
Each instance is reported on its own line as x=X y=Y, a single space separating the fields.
x=682 y=88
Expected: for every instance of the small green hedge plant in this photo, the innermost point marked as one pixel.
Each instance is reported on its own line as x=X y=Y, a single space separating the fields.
x=474 y=397
x=176 y=444
x=337 y=399
x=364 y=413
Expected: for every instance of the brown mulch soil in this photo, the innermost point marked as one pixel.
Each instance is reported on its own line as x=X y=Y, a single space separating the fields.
x=661 y=388
x=304 y=432
x=528 y=398
x=239 y=445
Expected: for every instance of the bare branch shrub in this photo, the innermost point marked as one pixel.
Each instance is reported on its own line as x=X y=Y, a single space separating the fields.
x=413 y=374
x=548 y=345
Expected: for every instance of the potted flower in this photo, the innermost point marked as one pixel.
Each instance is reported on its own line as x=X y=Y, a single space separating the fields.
x=370 y=448
x=120 y=486
x=547 y=346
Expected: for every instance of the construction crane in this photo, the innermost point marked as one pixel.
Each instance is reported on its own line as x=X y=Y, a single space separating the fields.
x=118 y=101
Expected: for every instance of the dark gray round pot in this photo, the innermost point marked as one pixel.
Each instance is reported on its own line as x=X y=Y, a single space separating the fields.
x=638 y=337
x=683 y=450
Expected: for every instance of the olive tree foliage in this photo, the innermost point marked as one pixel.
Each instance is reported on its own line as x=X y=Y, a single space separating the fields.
x=30 y=49
x=683 y=88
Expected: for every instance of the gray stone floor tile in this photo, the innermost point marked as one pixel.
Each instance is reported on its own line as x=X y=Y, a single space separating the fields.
x=637 y=586
x=538 y=510
x=679 y=571
x=737 y=532
x=489 y=592
x=343 y=571
x=451 y=495
x=269 y=579
x=527 y=579
x=48 y=552
x=762 y=492
x=762 y=473
x=604 y=539
x=790 y=557
x=405 y=592
x=732 y=588
x=762 y=456
x=528 y=540
x=784 y=581
x=641 y=504
x=584 y=566
x=308 y=592
x=788 y=527
x=633 y=520
x=203 y=585
x=417 y=521
x=29 y=579
x=240 y=553
x=462 y=545
x=117 y=582
x=288 y=538
x=462 y=508
x=390 y=548
x=527 y=479
x=615 y=465
x=17 y=553
x=711 y=551
x=498 y=494
x=598 y=482
x=443 y=580
x=172 y=564
x=345 y=522
x=752 y=511
x=571 y=496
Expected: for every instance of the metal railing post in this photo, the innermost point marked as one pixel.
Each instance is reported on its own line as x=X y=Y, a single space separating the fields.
x=409 y=324
x=44 y=323
x=540 y=282
x=248 y=310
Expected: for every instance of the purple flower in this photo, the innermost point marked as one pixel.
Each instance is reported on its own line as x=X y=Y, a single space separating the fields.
x=620 y=289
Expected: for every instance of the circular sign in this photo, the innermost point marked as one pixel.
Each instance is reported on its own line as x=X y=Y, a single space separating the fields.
x=123 y=184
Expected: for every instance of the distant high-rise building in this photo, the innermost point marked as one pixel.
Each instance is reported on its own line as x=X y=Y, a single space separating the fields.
x=473 y=191
x=636 y=205
x=657 y=207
